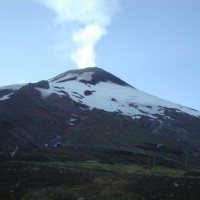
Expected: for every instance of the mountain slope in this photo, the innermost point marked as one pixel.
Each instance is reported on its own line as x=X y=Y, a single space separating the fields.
x=107 y=93
x=92 y=108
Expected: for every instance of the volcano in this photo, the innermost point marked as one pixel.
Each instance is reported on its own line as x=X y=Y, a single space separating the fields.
x=93 y=110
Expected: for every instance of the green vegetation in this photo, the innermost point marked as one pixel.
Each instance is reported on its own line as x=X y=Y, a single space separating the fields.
x=93 y=180
x=100 y=188
x=122 y=169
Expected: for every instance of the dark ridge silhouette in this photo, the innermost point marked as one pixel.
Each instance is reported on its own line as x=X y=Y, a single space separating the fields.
x=99 y=75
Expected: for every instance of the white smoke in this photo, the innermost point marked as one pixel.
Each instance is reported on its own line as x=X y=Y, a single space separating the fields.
x=93 y=17
x=86 y=39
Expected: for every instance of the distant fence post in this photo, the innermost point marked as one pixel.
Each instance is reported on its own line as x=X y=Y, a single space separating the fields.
x=148 y=165
x=154 y=162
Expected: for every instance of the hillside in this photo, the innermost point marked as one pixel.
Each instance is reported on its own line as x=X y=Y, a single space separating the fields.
x=87 y=134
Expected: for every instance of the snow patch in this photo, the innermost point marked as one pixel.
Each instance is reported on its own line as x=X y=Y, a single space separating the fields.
x=73 y=120
x=13 y=87
x=5 y=97
x=44 y=92
x=71 y=124
x=87 y=76
x=112 y=97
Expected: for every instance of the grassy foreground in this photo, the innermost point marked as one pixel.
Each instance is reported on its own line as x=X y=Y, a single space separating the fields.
x=93 y=180
x=122 y=169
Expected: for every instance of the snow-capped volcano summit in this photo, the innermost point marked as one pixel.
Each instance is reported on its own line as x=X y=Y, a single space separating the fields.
x=99 y=89
x=33 y=114
x=90 y=75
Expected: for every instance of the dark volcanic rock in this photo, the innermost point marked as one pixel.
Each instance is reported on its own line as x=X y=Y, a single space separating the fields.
x=88 y=92
x=99 y=75
x=27 y=120
x=42 y=84
x=5 y=92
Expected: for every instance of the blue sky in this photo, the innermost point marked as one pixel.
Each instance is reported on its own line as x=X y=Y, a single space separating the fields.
x=153 y=45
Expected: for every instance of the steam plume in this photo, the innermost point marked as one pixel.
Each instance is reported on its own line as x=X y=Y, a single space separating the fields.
x=93 y=17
